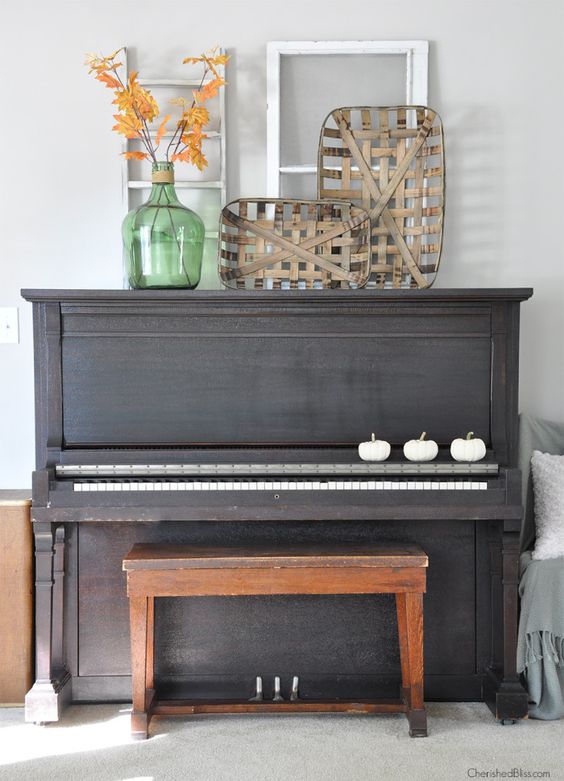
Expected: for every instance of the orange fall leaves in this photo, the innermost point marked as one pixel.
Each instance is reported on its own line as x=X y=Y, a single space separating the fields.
x=137 y=109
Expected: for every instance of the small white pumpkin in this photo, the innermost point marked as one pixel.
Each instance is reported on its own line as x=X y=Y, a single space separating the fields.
x=374 y=449
x=468 y=449
x=421 y=449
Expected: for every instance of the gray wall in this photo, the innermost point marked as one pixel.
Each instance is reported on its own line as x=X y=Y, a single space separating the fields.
x=495 y=77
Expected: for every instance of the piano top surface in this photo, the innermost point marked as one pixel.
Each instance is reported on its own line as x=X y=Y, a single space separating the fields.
x=434 y=294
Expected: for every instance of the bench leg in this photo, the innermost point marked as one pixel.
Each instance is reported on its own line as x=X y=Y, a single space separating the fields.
x=150 y=642
x=139 y=624
x=416 y=714
x=404 y=648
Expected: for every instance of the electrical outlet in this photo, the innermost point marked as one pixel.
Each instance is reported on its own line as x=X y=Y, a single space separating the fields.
x=9 y=331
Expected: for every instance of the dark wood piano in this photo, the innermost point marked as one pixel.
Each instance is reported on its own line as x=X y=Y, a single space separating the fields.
x=233 y=418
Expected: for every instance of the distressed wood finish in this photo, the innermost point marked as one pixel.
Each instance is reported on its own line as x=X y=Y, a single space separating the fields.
x=175 y=377
x=273 y=244
x=190 y=571
x=390 y=162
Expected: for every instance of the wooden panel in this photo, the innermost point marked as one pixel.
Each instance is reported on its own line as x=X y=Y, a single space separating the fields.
x=273 y=389
x=147 y=556
x=286 y=580
x=222 y=636
x=16 y=602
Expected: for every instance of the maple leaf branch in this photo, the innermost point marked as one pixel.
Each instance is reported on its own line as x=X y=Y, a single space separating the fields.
x=145 y=136
x=182 y=127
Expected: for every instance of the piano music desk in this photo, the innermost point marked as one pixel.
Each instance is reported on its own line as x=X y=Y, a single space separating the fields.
x=192 y=570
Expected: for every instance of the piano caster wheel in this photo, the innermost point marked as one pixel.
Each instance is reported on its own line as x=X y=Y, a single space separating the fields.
x=507 y=722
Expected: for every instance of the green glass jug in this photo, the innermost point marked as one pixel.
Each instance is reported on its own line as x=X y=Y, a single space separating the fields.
x=163 y=240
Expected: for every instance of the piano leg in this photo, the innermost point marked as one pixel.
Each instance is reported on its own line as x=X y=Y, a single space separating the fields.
x=51 y=691
x=503 y=691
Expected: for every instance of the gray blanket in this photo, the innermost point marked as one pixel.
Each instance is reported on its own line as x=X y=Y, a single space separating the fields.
x=540 y=647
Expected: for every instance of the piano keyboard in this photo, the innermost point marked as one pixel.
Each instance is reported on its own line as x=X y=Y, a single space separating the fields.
x=283 y=485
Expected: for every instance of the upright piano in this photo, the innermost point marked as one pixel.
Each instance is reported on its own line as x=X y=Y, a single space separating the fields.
x=234 y=418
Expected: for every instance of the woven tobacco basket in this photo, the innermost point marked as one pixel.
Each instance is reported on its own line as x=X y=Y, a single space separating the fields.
x=278 y=243
x=390 y=162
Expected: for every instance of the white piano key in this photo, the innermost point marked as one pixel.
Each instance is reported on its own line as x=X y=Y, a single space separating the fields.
x=277 y=485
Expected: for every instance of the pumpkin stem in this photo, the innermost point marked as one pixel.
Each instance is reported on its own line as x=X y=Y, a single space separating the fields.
x=469 y=435
x=423 y=435
x=373 y=437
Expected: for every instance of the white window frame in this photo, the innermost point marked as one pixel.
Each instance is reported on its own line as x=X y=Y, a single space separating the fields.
x=416 y=81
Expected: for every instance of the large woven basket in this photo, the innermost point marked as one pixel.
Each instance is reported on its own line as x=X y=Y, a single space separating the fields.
x=279 y=243
x=390 y=162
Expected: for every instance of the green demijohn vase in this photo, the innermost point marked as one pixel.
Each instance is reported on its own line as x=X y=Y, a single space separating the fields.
x=163 y=240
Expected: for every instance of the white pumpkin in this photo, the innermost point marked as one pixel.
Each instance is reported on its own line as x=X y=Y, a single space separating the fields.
x=421 y=449
x=468 y=449
x=374 y=450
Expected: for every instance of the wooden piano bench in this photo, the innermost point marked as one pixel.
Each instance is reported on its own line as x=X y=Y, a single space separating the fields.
x=190 y=570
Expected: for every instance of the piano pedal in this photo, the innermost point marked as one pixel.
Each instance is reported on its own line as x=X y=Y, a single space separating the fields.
x=294 y=696
x=277 y=695
x=258 y=691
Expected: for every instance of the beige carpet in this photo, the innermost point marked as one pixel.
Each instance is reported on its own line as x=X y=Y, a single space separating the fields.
x=92 y=743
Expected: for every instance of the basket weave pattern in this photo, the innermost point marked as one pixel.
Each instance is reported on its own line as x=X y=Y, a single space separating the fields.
x=390 y=162
x=279 y=243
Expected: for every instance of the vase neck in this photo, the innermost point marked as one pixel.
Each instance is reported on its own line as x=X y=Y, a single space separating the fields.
x=162 y=192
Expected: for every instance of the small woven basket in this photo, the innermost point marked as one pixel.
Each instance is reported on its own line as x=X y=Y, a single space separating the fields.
x=269 y=244
x=390 y=162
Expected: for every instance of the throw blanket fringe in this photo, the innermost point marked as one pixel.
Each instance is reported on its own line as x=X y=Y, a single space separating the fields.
x=541 y=645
